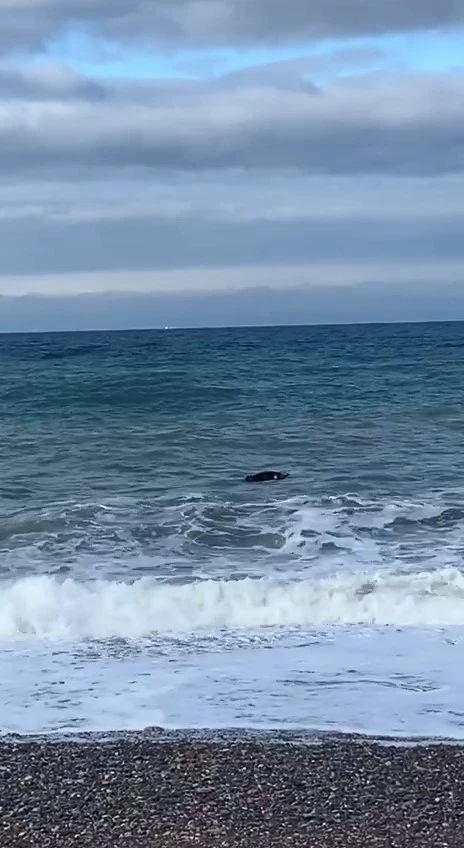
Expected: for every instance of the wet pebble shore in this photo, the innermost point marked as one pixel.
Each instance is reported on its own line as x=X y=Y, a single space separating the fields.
x=133 y=792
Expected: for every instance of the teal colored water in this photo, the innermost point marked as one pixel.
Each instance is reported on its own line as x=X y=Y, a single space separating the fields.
x=129 y=540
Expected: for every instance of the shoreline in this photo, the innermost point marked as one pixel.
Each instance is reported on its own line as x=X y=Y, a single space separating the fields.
x=158 y=734
x=229 y=789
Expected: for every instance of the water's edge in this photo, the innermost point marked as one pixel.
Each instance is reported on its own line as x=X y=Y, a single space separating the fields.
x=228 y=736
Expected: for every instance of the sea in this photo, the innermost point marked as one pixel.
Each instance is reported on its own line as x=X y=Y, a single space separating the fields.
x=143 y=583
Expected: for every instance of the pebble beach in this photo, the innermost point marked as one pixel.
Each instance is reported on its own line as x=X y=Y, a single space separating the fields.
x=137 y=791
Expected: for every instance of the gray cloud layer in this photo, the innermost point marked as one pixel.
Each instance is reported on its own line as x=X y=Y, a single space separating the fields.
x=30 y=22
x=316 y=305
x=403 y=124
x=263 y=170
x=189 y=241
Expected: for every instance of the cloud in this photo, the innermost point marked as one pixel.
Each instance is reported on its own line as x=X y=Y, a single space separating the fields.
x=29 y=23
x=45 y=81
x=330 y=275
x=397 y=124
x=293 y=174
x=30 y=245
x=227 y=232
x=251 y=307
x=233 y=197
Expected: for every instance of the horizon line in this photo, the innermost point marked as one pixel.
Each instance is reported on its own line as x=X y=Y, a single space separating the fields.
x=202 y=328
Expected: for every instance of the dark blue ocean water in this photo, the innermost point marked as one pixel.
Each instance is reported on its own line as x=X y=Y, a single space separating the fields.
x=339 y=406
x=131 y=547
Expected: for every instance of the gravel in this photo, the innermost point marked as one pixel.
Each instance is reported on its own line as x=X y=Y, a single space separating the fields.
x=136 y=792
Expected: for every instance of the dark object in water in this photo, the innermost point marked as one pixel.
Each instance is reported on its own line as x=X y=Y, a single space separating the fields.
x=265 y=476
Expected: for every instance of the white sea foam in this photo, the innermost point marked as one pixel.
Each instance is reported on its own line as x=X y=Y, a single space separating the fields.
x=217 y=538
x=43 y=607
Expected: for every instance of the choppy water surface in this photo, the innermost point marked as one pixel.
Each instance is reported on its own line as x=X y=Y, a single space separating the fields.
x=142 y=582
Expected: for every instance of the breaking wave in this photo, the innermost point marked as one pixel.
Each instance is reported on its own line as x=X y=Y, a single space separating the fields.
x=46 y=608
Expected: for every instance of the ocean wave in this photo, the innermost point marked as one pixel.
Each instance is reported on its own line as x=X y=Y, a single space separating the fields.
x=72 y=350
x=47 y=608
x=198 y=536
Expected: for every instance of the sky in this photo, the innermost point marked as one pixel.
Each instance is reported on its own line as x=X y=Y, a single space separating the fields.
x=204 y=162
